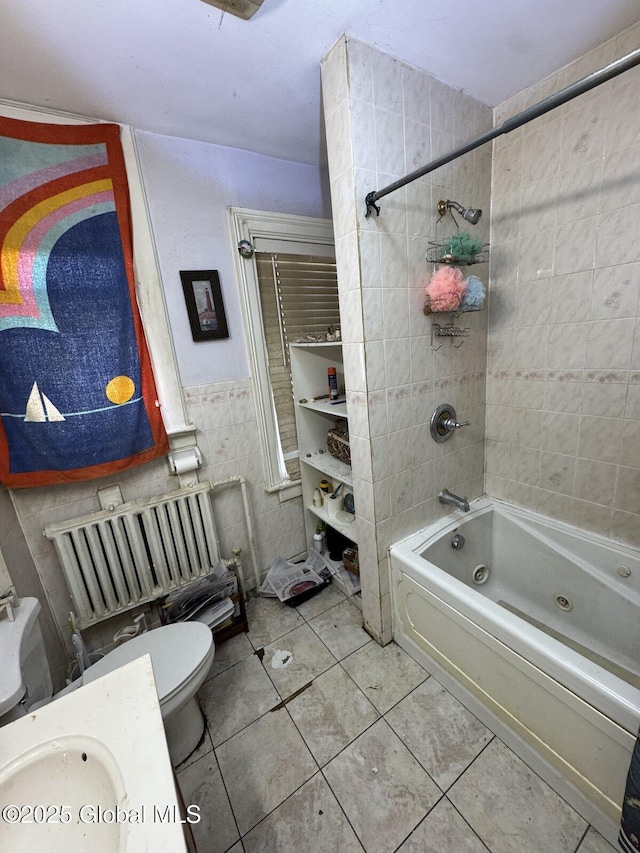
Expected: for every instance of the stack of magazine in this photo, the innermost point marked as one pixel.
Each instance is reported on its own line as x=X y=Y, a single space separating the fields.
x=293 y=583
x=206 y=600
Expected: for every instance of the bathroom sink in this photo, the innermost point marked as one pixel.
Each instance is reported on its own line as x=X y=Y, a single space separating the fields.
x=91 y=771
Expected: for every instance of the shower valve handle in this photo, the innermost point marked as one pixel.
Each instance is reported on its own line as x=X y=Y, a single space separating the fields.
x=451 y=424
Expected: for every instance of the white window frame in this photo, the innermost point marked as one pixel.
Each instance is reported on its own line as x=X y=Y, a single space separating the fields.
x=270 y=232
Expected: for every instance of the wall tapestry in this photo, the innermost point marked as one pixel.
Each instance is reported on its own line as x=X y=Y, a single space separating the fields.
x=77 y=395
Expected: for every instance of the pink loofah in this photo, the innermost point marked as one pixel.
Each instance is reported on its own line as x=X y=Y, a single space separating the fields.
x=446 y=289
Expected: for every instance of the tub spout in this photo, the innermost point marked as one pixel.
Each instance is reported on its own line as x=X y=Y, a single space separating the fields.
x=447 y=497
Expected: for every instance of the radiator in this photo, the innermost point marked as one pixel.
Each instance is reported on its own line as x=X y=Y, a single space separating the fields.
x=116 y=560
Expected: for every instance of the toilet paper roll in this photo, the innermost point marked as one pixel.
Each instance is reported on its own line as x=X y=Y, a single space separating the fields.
x=333 y=505
x=182 y=461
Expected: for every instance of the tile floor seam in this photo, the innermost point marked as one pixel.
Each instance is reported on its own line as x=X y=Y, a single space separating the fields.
x=463 y=818
x=321 y=766
x=462 y=772
x=337 y=799
x=341 y=662
x=406 y=838
x=588 y=827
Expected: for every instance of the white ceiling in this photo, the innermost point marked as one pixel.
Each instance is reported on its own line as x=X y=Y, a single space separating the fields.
x=182 y=68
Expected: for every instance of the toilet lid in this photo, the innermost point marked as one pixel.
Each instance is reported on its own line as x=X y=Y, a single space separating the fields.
x=176 y=652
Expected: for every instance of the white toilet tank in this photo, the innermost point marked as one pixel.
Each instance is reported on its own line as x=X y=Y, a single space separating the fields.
x=25 y=678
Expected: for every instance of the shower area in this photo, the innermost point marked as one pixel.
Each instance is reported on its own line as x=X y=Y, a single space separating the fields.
x=548 y=375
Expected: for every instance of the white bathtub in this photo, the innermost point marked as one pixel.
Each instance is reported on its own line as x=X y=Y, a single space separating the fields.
x=546 y=650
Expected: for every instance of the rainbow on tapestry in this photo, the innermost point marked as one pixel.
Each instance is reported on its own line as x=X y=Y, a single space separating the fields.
x=77 y=395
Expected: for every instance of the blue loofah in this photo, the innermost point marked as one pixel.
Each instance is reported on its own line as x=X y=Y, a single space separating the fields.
x=474 y=298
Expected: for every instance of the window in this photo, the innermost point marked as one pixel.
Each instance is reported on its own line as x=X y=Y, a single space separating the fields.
x=288 y=291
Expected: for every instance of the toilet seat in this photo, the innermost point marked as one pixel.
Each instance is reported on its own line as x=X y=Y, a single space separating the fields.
x=180 y=654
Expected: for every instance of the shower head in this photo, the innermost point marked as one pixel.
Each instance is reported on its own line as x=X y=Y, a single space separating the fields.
x=469 y=214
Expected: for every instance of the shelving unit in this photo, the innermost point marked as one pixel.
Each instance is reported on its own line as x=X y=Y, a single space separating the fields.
x=314 y=418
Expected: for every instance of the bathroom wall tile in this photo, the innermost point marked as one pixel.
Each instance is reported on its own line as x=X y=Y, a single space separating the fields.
x=354 y=366
x=444 y=751
x=416 y=95
x=534 y=303
x=387 y=75
x=610 y=344
x=368 y=250
x=614 y=236
x=567 y=345
x=389 y=133
x=620 y=183
x=595 y=481
x=627 y=491
x=615 y=292
x=560 y=432
x=360 y=69
x=526 y=427
x=544 y=154
x=624 y=528
x=417 y=140
x=535 y=256
x=372 y=314
x=538 y=206
x=343 y=203
x=632 y=404
x=395 y=312
x=557 y=472
x=600 y=439
x=397 y=362
x=578 y=192
x=338 y=133
x=399 y=407
x=334 y=75
x=583 y=133
x=528 y=390
x=571 y=297
x=362 y=145
x=575 y=246
x=375 y=770
x=441 y=106
x=605 y=399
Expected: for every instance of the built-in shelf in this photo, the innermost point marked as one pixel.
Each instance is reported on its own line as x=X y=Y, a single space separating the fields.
x=336 y=410
x=309 y=365
x=329 y=465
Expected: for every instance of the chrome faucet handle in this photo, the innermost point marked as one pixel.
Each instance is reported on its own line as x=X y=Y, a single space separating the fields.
x=452 y=424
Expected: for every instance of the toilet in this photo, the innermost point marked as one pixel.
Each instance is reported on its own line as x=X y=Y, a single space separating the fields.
x=181 y=655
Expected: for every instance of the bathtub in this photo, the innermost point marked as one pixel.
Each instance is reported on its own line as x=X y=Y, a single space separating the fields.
x=535 y=627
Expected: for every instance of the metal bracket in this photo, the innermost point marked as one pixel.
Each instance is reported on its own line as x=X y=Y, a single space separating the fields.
x=448 y=331
x=371 y=204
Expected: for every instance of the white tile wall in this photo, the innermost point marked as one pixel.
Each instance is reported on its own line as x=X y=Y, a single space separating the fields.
x=563 y=413
x=399 y=119
x=224 y=415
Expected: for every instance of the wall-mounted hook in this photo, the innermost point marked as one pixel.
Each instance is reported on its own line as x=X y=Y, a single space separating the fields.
x=448 y=331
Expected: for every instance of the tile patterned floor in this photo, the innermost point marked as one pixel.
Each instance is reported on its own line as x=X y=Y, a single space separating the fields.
x=372 y=753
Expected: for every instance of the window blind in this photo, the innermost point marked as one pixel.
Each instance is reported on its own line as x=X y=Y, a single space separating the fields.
x=299 y=300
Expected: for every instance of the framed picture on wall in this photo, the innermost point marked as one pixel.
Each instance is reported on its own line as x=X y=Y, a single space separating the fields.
x=205 y=307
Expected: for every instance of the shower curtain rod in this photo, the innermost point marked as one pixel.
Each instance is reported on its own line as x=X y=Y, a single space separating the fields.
x=546 y=105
